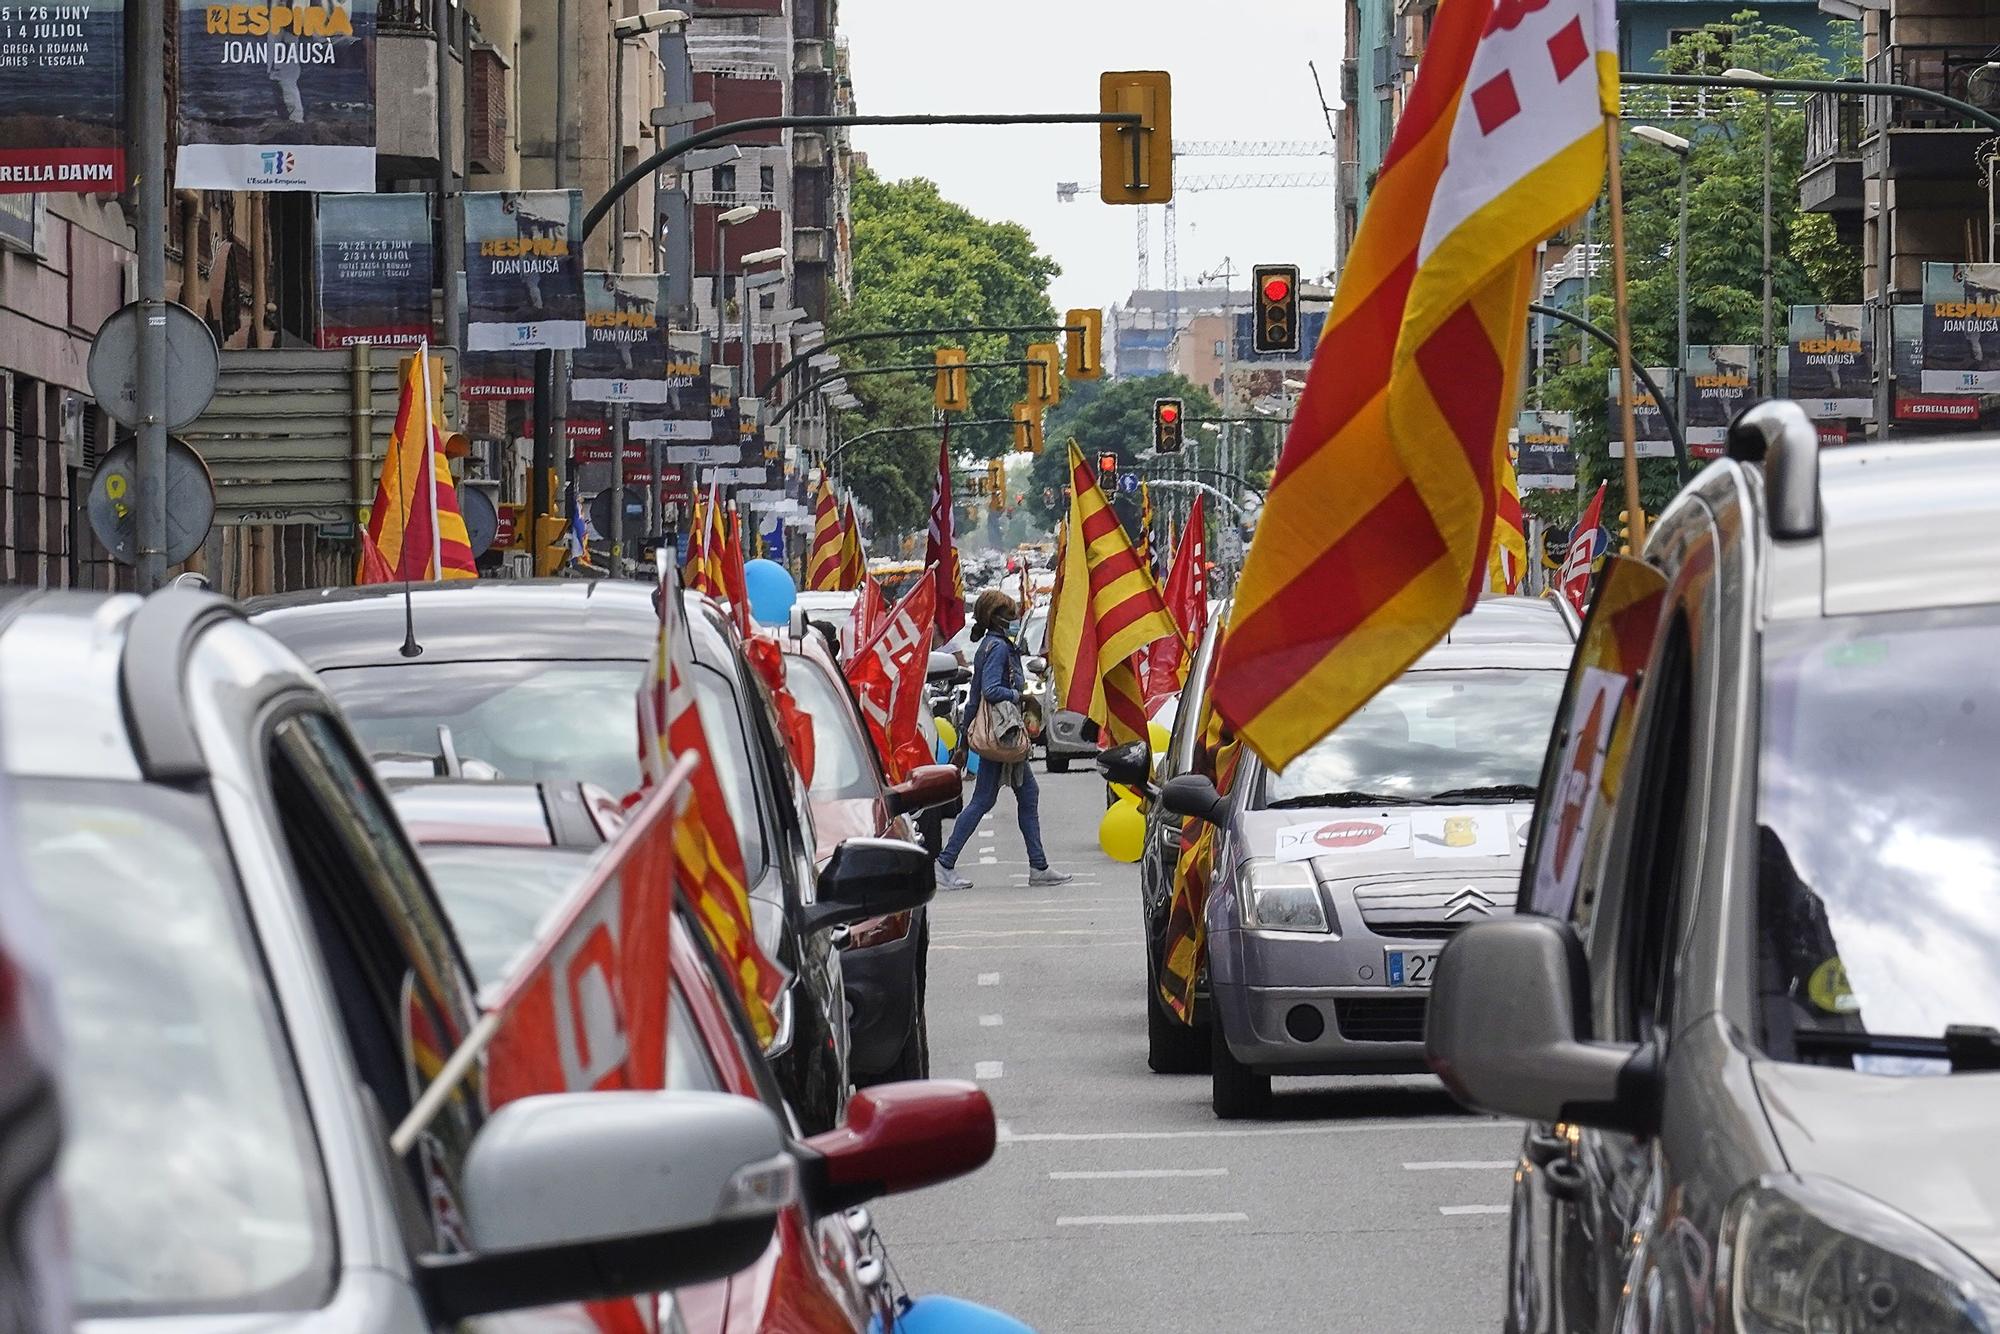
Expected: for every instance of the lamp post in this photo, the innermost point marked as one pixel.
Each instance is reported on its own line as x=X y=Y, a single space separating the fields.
x=631 y=28
x=1767 y=373
x=723 y=222
x=1681 y=149
x=752 y=283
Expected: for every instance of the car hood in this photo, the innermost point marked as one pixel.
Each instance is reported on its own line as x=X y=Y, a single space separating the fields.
x=1479 y=842
x=1920 y=1144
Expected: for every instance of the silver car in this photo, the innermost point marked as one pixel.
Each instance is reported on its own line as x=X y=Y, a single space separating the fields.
x=1752 y=1001
x=1348 y=869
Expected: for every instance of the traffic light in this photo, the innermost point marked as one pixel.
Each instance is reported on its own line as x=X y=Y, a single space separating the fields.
x=952 y=393
x=1027 y=428
x=1276 y=290
x=1107 y=471
x=1044 y=374
x=1136 y=162
x=1166 y=426
x=996 y=485
x=1083 y=344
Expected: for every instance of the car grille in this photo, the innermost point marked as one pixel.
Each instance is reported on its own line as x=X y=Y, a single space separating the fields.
x=1380 y=1018
x=1431 y=909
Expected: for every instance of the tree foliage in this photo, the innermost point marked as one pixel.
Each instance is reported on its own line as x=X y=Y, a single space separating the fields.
x=921 y=261
x=1107 y=417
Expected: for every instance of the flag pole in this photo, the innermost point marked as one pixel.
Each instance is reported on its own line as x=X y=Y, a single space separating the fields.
x=411 y=648
x=1635 y=512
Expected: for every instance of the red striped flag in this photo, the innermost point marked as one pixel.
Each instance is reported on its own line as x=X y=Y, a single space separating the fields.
x=415 y=526
x=823 y=557
x=941 y=550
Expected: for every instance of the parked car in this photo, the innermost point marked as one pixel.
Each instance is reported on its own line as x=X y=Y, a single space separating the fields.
x=501 y=864
x=884 y=960
x=1066 y=736
x=1752 y=993
x=1341 y=875
x=538 y=678
x=253 y=980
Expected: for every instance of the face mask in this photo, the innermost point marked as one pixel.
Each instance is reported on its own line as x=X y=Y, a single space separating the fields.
x=1006 y=628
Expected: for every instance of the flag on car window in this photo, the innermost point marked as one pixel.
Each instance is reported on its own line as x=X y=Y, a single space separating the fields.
x=1184 y=947
x=1186 y=595
x=694 y=568
x=1508 y=558
x=823 y=558
x=888 y=679
x=1586 y=546
x=853 y=558
x=414 y=525
x=1375 y=535
x=941 y=550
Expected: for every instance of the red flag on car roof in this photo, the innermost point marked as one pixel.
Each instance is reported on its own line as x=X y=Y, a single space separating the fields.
x=888 y=680
x=941 y=550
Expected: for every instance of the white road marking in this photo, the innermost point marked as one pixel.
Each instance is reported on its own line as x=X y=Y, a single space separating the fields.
x=989 y=1021
x=1456 y=1210
x=986 y=861
x=986 y=1069
x=1039 y=931
x=1126 y=944
x=1116 y=1220
x=989 y=979
x=1262 y=1132
x=1494 y=1166
x=1140 y=1174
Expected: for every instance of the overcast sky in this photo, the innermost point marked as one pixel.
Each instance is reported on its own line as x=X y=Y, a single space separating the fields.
x=1239 y=73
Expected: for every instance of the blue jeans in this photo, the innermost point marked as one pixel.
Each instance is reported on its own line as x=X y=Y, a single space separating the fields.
x=986 y=791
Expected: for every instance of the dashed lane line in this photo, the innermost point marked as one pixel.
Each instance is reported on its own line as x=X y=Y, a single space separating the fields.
x=986 y=1069
x=1461 y=1210
x=989 y=1021
x=1372 y=1126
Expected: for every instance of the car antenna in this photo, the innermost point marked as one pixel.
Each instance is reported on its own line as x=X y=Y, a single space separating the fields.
x=411 y=648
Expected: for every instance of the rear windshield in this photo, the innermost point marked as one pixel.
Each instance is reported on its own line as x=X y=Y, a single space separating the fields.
x=189 y=1170
x=497 y=896
x=1878 y=852
x=843 y=764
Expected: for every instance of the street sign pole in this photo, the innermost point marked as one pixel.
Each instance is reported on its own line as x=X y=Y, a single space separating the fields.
x=149 y=113
x=617 y=533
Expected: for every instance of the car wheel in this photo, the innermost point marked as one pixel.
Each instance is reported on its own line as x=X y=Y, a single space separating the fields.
x=1235 y=1090
x=1058 y=764
x=1172 y=1047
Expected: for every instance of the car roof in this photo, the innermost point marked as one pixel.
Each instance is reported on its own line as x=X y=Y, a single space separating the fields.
x=1910 y=524
x=1505 y=631
x=480 y=621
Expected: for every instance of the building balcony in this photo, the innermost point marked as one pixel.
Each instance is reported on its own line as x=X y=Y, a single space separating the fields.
x=1925 y=141
x=1831 y=181
x=406 y=137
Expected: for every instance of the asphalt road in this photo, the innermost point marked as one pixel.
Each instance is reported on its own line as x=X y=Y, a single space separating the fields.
x=1116 y=1200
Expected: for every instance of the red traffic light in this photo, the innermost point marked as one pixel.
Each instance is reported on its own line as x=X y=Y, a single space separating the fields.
x=1169 y=413
x=1277 y=287
x=1107 y=463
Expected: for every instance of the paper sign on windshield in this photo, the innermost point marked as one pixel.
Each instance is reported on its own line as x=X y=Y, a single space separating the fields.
x=1330 y=838
x=1460 y=834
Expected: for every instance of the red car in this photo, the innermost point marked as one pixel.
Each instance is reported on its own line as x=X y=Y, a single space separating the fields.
x=501 y=855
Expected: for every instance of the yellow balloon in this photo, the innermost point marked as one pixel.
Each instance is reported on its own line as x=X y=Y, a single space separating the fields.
x=1157 y=734
x=1123 y=793
x=947 y=734
x=1122 y=832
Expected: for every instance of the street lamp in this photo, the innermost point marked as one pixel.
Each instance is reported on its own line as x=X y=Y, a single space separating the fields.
x=752 y=284
x=631 y=28
x=1681 y=149
x=1768 y=373
x=724 y=220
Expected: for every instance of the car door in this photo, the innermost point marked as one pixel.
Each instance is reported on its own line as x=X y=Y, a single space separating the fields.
x=403 y=990
x=1163 y=831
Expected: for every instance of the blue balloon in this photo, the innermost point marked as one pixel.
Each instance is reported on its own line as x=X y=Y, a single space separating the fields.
x=772 y=592
x=936 y=1314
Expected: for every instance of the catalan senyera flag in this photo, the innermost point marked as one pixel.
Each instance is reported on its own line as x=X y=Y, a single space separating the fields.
x=1184 y=947
x=695 y=568
x=1106 y=608
x=1186 y=596
x=1508 y=559
x=714 y=547
x=1147 y=556
x=708 y=858
x=823 y=557
x=415 y=527
x=1375 y=535
x=853 y=558
x=735 y=584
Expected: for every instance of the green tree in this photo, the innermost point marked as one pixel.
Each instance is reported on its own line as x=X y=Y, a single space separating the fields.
x=921 y=261
x=1112 y=417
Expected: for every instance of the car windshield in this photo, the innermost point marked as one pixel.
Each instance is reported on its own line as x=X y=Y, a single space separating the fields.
x=528 y=719
x=1878 y=866
x=496 y=896
x=843 y=764
x=1429 y=732
x=189 y=1171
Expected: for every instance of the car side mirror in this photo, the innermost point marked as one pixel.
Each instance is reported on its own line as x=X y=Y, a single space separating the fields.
x=1130 y=763
x=1509 y=1031
x=928 y=785
x=898 y=1137
x=573 y=1197
x=870 y=877
x=1194 y=795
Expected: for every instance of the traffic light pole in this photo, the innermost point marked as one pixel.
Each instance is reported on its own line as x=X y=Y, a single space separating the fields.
x=1172 y=470
x=927 y=367
x=856 y=439
x=878 y=335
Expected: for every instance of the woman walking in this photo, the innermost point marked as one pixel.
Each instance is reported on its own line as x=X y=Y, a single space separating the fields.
x=997 y=678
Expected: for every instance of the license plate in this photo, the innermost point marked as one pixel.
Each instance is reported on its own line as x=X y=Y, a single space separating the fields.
x=1409 y=968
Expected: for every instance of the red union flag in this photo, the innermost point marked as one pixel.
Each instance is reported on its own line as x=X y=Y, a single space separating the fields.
x=1376 y=533
x=941 y=550
x=888 y=679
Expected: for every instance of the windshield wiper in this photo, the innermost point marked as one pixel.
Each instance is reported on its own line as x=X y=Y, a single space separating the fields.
x=1966 y=1046
x=1342 y=799
x=1521 y=791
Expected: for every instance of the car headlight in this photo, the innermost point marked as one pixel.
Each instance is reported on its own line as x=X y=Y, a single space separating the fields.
x=1282 y=896
x=1808 y=1255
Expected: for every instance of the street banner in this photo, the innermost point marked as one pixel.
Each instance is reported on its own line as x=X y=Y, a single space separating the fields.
x=524 y=270
x=1961 y=329
x=624 y=353
x=62 y=98
x=490 y=375
x=1829 y=355
x=734 y=476
x=1546 y=461
x=372 y=270
x=723 y=424
x=277 y=96
x=1650 y=424
x=1912 y=404
x=684 y=411
x=1718 y=388
x=700 y=453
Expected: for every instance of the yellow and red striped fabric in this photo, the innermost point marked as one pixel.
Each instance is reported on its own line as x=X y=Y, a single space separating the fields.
x=735 y=584
x=1184 y=948
x=1380 y=514
x=853 y=560
x=415 y=527
x=1509 y=557
x=715 y=552
x=1106 y=608
x=694 y=570
x=823 y=557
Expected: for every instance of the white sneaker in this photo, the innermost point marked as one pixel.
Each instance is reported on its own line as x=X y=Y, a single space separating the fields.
x=1049 y=875
x=950 y=879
